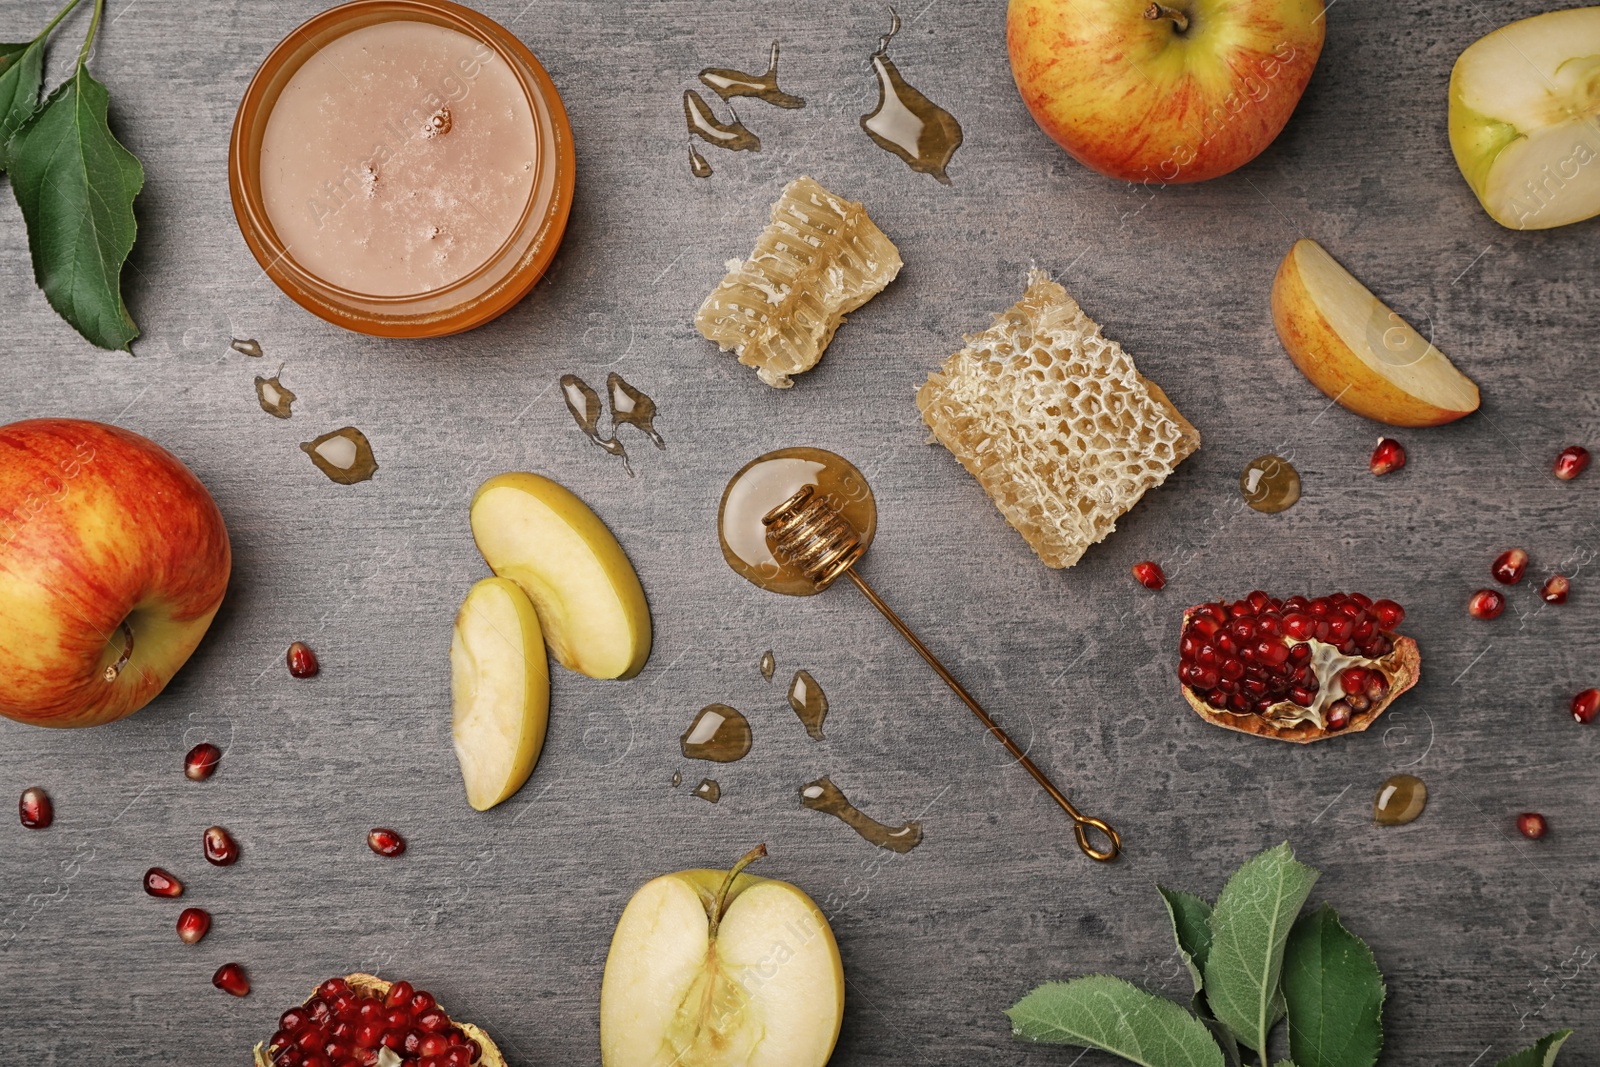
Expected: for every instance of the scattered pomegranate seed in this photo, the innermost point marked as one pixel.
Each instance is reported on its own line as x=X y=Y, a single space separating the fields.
x=1149 y=574
x=201 y=762
x=1555 y=589
x=1389 y=456
x=161 y=883
x=1509 y=566
x=1573 y=461
x=302 y=661
x=34 y=808
x=385 y=842
x=230 y=978
x=1486 y=604
x=1532 y=825
x=1586 y=705
x=221 y=849
x=193 y=924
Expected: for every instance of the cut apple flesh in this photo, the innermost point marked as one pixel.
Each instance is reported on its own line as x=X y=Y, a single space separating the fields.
x=1358 y=351
x=590 y=604
x=500 y=691
x=768 y=991
x=1525 y=119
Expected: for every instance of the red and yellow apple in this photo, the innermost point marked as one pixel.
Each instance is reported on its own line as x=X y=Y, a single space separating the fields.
x=113 y=560
x=1163 y=93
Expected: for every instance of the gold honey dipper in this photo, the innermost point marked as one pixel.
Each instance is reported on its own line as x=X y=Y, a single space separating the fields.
x=808 y=532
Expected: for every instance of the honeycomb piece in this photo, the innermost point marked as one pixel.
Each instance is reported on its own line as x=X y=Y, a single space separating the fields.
x=1055 y=422
x=819 y=259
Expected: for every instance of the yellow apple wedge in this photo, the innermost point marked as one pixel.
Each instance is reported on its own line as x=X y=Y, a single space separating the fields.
x=1356 y=350
x=721 y=969
x=590 y=604
x=499 y=691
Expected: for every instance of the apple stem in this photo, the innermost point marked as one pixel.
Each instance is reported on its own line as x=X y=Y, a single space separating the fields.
x=1162 y=11
x=127 y=653
x=721 y=903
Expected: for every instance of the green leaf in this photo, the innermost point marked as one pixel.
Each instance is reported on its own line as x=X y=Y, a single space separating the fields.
x=1542 y=1054
x=1248 y=929
x=75 y=184
x=1334 y=993
x=1110 y=1014
x=1191 y=927
x=21 y=74
x=1284 y=1063
x=1221 y=1034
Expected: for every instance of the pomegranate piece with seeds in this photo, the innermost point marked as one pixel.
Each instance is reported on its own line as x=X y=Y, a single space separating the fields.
x=1486 y=604
x=363 y=1019
x=1509 y=566
x=1300 y=669
x=1573 y=461
x=1149 y=574
x=385 y=842
x=302 y=661
x=35 y=810
x=230 y=978
x=1532 y=825
x=161 y=883
x=1556 y=588
x=1389 y=456
x=201 y=762
x=193 y=923
x=221 y=849
x=1586 y=705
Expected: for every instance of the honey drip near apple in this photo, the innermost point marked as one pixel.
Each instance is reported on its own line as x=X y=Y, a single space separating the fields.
x=729 y=84
x=905 y=122
x=822 y=795
x=629 y=407
x=344 y=455
x=1270 y=484
x=719 y=733
x=809 y=702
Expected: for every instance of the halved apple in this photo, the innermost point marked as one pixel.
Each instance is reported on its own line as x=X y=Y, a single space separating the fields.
x=499 y=689
x=1356 y=350
x=1523 y=107
x=590 y=604
x=717 y=969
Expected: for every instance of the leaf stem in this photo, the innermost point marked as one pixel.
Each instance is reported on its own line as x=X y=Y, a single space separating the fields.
x=63 y=13
x=94 y=26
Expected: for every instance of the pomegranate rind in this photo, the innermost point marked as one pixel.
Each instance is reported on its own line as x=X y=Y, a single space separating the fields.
x=371 y=983
x=1403 y=666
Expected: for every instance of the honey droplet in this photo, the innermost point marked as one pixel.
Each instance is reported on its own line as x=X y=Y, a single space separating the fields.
x=728 y=83
x=344 y=455
x=246 y=347
x=769 y=665
x=809 y=702
x=677 y=779
x=1399 y=801
x=698 y=165
x=822 y=795
x=1270 y=484
x=905 y=122
x=704 y=124
x=584 y=404
x=719 y=733
x=274 y=397
x=708 y=790
x=630 y=407
x=763 y=484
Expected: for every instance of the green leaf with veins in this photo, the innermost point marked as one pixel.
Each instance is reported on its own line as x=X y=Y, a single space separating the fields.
x=21 y=74
x=1191 y=927
x=1118 y=1017
x=1249 y=927
x=1334 y=992
x=1542 y=1054
x=75 y=184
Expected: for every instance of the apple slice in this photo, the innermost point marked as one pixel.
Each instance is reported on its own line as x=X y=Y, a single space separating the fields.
x=588 y=597
x=719 y=968
x=1356 y=350
x=1523 y=103
x=499 y=689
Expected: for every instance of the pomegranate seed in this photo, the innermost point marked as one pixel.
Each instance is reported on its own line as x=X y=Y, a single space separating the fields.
x=399 y=996
x=193 y=924
x=1486 y=604
x=1509 y=566
x=221 y=849
x=34 y=808
x=1555 y=589
x=302 y=661
x=230 y=978
x=1586 y=705
x=1339 y=713
x=421 y=1001
x=201 y=762
x=1389 y=456
x=1532 y=825
x=1388 y=614
x=433 y=1021
x=413 y=1040
x=293 y=1019
x=160 y=883
x=385 y=842
x=434 y=1045
x=332 y=988
x=1353 y=679
x=1573 y=461
x=1149 y=574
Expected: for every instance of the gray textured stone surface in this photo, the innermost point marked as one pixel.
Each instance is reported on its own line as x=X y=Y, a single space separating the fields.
x=1486 y=939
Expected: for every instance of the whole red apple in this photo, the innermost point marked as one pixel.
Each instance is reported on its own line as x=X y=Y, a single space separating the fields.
x=113 y=560
x=1163 y=93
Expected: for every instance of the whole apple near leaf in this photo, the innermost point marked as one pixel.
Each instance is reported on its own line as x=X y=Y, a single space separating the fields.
x=113 y=560
x=1159 y=93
